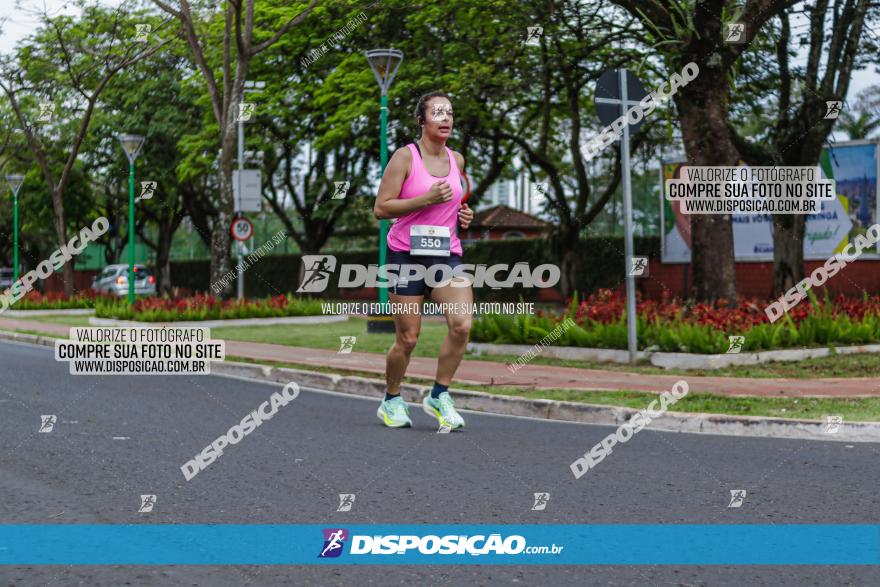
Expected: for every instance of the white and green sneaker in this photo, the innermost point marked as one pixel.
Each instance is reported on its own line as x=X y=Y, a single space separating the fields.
x=443 y=408
x=394 y=413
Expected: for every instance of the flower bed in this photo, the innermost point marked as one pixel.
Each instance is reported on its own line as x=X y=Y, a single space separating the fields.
x=672 y=326
x=201 y=307
x=34 y=300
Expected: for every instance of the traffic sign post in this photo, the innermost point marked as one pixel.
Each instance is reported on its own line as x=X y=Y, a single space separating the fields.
x=242 y=229
x=617 y=90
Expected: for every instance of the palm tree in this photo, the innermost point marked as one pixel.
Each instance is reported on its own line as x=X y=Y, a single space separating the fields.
x=865 y=118
x=858 y=125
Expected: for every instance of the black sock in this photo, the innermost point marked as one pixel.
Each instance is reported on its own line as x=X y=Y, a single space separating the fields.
x=388 y=396
x=438 y=389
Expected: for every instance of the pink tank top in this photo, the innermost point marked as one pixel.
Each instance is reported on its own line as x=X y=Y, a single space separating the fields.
x=417 y=183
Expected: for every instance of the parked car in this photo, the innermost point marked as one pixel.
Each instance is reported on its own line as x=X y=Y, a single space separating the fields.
x=114 y=280
x=7 y=275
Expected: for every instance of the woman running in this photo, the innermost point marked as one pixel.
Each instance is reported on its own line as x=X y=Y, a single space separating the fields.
x=422 y=189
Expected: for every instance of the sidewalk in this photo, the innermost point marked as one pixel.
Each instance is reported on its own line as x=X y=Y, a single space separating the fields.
x=531 y=376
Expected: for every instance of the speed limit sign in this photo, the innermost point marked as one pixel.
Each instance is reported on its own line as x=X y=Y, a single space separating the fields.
x=242 y=229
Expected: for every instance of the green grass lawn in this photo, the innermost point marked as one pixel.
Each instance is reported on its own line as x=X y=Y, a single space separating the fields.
x=326 y=336
x=59 y=319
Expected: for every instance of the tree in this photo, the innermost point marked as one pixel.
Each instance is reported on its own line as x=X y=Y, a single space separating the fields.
x=65 y=66
x=864 y=119
x=152 y=99
x=797 y=128
x=553 y=119
x=685 y=32
x=239 y=48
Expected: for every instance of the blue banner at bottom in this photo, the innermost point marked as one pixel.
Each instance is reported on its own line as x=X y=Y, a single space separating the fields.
x=251 y=544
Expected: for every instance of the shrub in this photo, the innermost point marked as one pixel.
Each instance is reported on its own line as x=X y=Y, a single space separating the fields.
x=695 y=328
x=202 y=307
x=35 y=300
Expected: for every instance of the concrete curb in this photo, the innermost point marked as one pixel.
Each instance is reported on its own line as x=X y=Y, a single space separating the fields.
x=671 y=360
x=752 y=426
x=68 y=312
x=721 y=424
x=218 y=323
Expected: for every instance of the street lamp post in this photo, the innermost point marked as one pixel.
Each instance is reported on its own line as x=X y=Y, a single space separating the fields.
x=15 y=182
x=384 y=63
x=131 y=144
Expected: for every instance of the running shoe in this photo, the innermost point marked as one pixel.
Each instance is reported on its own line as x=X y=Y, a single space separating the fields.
x=443 y=408
x=394 y=413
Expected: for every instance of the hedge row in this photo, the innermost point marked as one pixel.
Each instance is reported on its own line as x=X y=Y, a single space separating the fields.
x=602 y=265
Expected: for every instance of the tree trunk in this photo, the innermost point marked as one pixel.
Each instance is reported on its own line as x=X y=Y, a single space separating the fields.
x=61 y=235
x=163 y=258
x=220 y=236
x=703 y=106
x=788 y=251
x=566 y=249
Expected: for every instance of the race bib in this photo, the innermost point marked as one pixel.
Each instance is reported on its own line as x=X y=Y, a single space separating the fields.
x=429 y=240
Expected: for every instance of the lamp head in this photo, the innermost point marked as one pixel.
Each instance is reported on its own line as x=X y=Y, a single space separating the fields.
x=384 y=63
x=131 y=144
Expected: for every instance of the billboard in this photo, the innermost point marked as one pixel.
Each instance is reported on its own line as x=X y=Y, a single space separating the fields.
x=853 y=166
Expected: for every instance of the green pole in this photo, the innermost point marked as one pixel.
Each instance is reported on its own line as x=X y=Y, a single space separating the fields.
x=15 y=240
x=131 y=233
x=383 y=161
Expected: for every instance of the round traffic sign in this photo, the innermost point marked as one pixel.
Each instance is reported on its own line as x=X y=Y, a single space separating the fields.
x=242 y=229
x=609 y=106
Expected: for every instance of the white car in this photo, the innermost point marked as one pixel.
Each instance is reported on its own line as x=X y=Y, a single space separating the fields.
x=114 y=280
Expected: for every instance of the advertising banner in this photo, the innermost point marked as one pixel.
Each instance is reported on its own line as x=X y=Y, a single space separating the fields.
x=852 y=165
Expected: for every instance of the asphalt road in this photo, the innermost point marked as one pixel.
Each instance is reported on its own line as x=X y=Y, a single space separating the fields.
x=119 y=437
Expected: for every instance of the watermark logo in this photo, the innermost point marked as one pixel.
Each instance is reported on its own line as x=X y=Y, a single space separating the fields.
x=338 y=37
x=533 y=35
x=47 y=423
x=537 y=195
x=346 y=501
x=735 y=32
x=142 y=33
x=638 y=266
x=832 y=424
x=736 y=344
x=334 y=541
x=248 y=424
x=341 y=190
x=737 y=497
x=832 y=109
x=346 y=344
x=554 y=334
x=318 y=269
x=823 y=273
x=541 y=500
x=433 y=545
x=148 y=189
x=76 y=245
x=148 y=502
x=441 y=113
x=635 y=114
x=248 y=261
x=246 y=111
x=47 y=110
x=627 y=430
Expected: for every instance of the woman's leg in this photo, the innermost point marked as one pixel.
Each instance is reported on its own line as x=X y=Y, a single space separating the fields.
x=407 y=325
x=458 y=320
